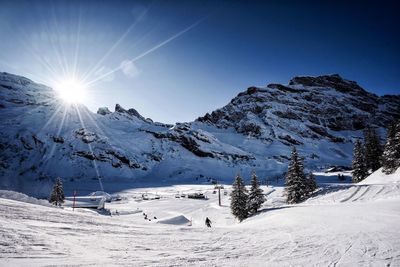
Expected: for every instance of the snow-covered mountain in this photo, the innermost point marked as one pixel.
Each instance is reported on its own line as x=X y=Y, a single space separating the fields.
x=41 y=137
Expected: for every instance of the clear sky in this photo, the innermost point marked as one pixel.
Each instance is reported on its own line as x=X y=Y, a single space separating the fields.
x=176 y=60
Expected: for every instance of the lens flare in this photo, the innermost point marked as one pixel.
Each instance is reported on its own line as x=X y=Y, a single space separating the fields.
x=71 y=91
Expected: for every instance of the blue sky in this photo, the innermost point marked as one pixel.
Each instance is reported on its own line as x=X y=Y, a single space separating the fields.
x=176 y=60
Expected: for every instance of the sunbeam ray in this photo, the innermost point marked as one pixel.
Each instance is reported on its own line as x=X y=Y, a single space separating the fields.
x=53 y=147
x=112 y=48
x=154 y=48
x=90 y=149
x=50 y=120
x=77 y=44
x=63 y=60
x=35 y=109
x=104 y=134
x=37 y=77
x=26 y=43
x=94 y=122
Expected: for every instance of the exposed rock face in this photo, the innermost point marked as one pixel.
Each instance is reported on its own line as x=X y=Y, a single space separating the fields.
x=198 y=143
x=103 y=111
x=41 y=138
x=130 y=111
x=311 y=107
x=329 y=81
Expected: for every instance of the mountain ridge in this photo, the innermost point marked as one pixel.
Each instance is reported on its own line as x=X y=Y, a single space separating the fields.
x=42 y=138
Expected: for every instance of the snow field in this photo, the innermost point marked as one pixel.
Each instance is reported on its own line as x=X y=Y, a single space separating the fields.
x=349 y=225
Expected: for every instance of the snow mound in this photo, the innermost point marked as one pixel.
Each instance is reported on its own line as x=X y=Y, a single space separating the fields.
x=378 y=177
x=22 y=197
x=177 y=220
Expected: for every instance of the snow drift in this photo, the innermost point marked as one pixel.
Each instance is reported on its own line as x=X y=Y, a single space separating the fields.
x=176 y=220
x=6 y=194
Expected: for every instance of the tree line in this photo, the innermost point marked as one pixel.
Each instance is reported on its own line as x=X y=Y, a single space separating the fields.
x=244 y=203
x=298 y=187
x=369 y=155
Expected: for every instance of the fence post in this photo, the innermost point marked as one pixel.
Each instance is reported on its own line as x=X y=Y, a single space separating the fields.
x=73 y=203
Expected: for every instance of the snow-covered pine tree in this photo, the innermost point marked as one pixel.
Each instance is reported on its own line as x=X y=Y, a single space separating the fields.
x=57 y=195
x=256 y=197
x=372 y=149
x=358 y=164
x=391 y=152
x=311 y=183
x=397 y=145
x=239 y=199
x=296 y=184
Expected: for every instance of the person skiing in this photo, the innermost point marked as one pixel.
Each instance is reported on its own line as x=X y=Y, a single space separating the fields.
x=208 y=222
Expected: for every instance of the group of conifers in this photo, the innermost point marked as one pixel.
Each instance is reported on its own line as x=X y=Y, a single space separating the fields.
x=369 y=155
x=298 y=187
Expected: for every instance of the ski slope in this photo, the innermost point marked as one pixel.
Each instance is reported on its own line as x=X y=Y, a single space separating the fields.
x=345 y=225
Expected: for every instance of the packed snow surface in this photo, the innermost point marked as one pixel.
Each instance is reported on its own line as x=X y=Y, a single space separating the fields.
x=379 y=178
x=344 y=225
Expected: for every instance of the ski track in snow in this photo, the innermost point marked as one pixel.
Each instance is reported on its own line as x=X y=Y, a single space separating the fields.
x=354 y=226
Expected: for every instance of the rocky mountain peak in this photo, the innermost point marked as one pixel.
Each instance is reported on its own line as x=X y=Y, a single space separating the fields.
x=103 y=111
x=333 y=81
x=251 y=90
x=307 y=107
x=130 y=111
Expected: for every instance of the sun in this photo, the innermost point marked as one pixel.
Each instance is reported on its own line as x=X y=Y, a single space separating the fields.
x=71 y=90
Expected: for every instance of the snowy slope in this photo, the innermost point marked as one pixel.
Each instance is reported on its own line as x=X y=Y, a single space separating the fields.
x=377 y=186
x=41 y=137
x=379 y=177
x=316 y=233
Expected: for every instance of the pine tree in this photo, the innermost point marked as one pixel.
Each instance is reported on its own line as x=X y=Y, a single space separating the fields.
x=391 y=153
x=296 y=184
x=57 y=195
x=397 y=145
x=239 y=199
x=311 y=183
x=372 y=149
x=359 y=167
x=256 y=196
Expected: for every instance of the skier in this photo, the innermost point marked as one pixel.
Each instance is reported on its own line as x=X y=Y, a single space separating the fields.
x=208 y=222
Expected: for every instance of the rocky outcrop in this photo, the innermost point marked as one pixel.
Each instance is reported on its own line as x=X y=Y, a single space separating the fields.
x=115 y=158
x=314 y=107
x=131 y=112
x=103 y=111
x=86 y=136
x=334 y=81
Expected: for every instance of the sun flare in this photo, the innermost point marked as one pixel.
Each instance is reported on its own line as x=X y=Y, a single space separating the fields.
x=71 y=91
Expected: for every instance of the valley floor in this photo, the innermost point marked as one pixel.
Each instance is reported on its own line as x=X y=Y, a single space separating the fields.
x=344 y=226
